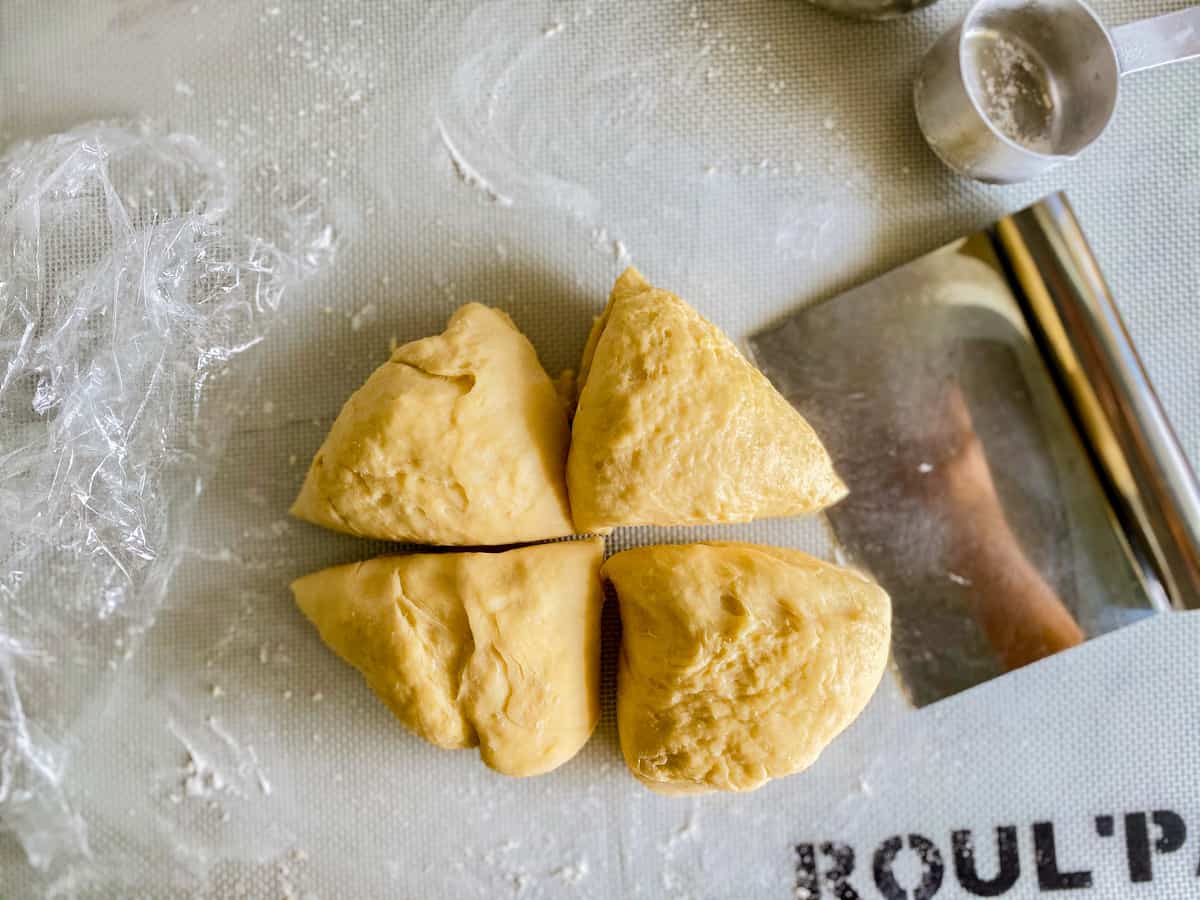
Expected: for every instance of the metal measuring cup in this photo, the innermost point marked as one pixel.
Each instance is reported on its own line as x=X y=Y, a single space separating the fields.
x=1020 y=86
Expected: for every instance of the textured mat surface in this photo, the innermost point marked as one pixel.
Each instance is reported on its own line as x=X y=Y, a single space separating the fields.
x=750 y=156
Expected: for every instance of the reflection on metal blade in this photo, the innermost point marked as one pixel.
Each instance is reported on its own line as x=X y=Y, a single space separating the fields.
x=973 y=500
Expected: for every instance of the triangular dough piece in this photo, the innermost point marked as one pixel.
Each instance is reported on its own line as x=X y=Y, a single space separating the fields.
x=500 y=650
x=739 y=663
x=458 y=439
x=675 y=427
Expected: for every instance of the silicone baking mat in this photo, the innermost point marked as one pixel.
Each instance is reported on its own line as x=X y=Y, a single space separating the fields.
x=751 y=157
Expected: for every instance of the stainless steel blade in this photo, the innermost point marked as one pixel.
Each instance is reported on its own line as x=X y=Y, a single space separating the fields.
x=976 y=498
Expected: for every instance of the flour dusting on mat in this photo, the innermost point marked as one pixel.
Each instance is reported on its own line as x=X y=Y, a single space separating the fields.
x=467 y=173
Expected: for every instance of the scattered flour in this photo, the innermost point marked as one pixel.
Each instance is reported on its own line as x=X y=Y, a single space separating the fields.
x=467 y=173
x=1013 y=88
x=362 y=317
x=572 y=873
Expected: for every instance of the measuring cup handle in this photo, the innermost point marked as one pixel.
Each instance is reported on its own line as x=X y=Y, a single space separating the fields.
x=1156 y=42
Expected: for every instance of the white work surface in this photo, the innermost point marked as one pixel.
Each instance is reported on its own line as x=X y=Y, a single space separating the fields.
x=750 y=156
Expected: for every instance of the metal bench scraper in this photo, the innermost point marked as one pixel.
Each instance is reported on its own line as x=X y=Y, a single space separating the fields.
x=1015 y=484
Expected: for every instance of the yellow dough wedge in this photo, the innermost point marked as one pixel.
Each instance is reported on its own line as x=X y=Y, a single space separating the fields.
x=675 y=427
x=739 y=663
x=499 y=650
x=458 y=439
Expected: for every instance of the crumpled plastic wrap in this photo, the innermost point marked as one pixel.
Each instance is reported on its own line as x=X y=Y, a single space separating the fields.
x=127 y=297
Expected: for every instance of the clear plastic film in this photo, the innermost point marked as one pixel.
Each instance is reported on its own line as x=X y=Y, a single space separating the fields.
x=127 y=297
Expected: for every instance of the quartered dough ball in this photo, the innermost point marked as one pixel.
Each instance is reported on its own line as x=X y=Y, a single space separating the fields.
x=739 y=663
x=499 y=650
x=675 y=427
x=458 y=439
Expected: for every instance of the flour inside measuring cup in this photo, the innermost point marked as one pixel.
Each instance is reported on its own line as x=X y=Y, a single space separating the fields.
x=1014 y=88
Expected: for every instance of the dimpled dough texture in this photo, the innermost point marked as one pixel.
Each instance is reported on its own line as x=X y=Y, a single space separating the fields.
x=500 y=650
x=458 y=439
x=739 y=663
x=675 y=427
